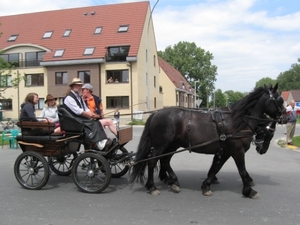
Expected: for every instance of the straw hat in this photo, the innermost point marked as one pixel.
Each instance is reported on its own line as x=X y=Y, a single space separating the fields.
x=76 y=81
x=49 y=97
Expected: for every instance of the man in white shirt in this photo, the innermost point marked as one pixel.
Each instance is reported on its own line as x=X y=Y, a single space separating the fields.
x=292 y=111
x=77 y=106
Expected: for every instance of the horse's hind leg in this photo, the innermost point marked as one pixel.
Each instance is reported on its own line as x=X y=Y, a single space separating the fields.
x=167 y=174
x=150 y=182
x=217 y=164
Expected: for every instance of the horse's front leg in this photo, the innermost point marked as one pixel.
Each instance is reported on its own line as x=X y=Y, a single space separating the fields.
x=167 y=174
x=247 y=191
x=217 y=164
x=150 y=181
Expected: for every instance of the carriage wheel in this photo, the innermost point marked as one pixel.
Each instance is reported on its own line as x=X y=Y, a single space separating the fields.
x=118 y=169
x=62 y=165
x=91 y=172
x=31 y=170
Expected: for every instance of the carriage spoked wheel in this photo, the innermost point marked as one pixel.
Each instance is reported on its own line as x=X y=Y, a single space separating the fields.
x=31 y=170
x=117 y=167
x=91 y=172
x=62 y=165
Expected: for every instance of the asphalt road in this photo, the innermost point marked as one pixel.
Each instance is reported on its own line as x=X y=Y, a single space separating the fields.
x=276 y=175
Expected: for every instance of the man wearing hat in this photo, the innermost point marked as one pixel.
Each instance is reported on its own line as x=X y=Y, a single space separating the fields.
x=75 y=105
x=95 y=105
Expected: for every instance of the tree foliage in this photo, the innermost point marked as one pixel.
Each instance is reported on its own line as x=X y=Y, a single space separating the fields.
x=265 y=81
x=6 y=70
x=290 y=79
x=194 y=63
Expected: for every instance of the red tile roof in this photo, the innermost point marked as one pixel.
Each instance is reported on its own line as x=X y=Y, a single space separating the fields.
x=174 y=75
x=31 y=28
x=285 y=95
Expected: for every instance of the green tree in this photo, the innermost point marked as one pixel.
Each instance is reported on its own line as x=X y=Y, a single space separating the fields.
x=6 y=70
x=194 y=63
x=233 y=96
x=265 y=81
x=290 y=80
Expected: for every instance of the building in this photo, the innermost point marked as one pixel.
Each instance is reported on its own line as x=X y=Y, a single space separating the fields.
x=174 y=87
x=93 y=43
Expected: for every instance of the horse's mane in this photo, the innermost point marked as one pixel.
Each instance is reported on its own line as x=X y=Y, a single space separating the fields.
x=244 y=106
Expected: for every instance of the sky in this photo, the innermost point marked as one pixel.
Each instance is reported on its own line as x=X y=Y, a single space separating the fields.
x=249 y=39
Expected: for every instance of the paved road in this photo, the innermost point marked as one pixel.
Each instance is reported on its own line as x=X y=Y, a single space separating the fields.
x=276 y=175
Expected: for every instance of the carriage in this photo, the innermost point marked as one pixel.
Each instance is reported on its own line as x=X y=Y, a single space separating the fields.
x=70 y=153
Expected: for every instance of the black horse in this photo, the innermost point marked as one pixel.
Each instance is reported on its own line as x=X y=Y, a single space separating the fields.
x=222 y=133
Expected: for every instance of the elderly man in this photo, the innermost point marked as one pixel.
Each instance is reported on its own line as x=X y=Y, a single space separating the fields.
x=94 y=103
x=75 y=105
x=292 y=111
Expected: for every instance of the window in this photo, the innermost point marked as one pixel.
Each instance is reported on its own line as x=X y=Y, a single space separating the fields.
x=61 y=78
x=59 y=53
x=123 y=28
x=118 y=76
x=13 y=37
x=85 y=76
x=154 y=103
x=160 y=89
x=117 y=102
x=98 y=30
x=154 y=61
x=33 y=58
x=40 y=104
x=67 y=33
x=48 y=34
x=12 y=59
x=5 y=81
x=89 y=51
x=155 y=81
x=34 y=80
x=6 y=104
x=117 y=54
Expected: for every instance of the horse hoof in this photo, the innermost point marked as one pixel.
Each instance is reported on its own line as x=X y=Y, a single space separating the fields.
x=175 y=188
x=155 y=193
x=256 y=196
x=208 y=193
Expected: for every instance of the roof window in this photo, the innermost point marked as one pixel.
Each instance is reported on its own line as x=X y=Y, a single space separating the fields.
x=123 y=28
x=59 y=53
x=67 y=33
x=48 y=34
x=98 y=30
x=13 y=37
x=89 y=51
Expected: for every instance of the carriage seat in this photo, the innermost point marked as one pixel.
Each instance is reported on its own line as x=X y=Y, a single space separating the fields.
x=39 y=139
x=68 y=123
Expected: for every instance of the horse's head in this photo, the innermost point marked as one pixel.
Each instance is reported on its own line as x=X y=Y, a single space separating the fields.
x=274 y=104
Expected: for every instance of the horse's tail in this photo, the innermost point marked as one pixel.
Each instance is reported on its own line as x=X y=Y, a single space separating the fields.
x=142 y=153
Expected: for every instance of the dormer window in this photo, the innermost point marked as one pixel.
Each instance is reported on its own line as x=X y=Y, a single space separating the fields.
x=89 y=51
x=48 y=34
x=13 y=37
x=67 y=33
x=98 y=30
x=59 y=53
x=123 y=28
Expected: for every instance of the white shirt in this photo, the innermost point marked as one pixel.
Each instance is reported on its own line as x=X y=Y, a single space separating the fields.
x=50 y=113
x=72 y=104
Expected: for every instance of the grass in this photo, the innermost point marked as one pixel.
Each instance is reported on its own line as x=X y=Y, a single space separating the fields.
x=137 y=122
